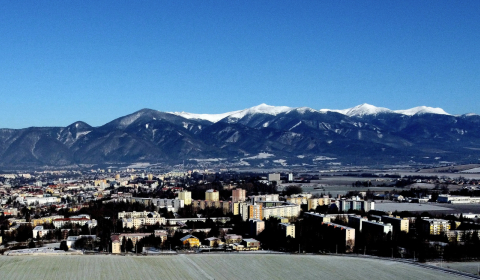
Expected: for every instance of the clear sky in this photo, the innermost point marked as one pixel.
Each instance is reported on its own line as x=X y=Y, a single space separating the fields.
x=94 y=61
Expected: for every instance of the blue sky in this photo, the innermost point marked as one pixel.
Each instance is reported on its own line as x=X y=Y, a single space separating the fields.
x=94 y=61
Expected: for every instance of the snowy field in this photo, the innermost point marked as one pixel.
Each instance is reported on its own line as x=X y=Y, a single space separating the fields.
x=416 y=207
x=218 y=266
x=468 y=267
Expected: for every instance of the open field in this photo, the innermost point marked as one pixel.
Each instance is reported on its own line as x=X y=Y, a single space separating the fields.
x=386 y=205
x=468 y=267
x=434 y=208
x=214 y=266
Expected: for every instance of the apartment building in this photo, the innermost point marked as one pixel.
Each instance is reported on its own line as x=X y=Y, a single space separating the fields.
x=212 y=195
x=238 y=195
x=340 y=233
x=376 y=228
x=318 y=217
x=313 y=203
x=251 y=211
x=39 y=231
x=186 y=196
x=59 y=223
x=435 y=226
x=356 y=222
x=265 y=197
x=256 y=226
x=286 y=210
x=226 y=206
x=350 y=204
x=397 y=223
x=45 y=220
x=287 y=229
x=172 y=205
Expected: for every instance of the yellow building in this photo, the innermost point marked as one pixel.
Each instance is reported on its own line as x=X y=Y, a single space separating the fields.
x=45 y=220
x=212 y=195
x=190 y=241
x=186 y=196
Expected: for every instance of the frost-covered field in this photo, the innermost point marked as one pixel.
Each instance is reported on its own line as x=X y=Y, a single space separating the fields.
x=394 y=206
x=468 y=267
x=218 y=266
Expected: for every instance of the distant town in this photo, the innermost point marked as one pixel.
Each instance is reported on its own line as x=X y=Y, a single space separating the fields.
x=418 y=215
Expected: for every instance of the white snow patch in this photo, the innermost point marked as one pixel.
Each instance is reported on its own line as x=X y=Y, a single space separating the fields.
x=265 y=124
x=319 y=158
x=329 y=141
x=473 y=170
x=208 y=159
x=146 y=126
x=243 y=163
x=281 y=161
x=185 y=125
x=261 y=109
x=260 y=156
x=139 y=165
x=300 y=122
x=209 y=117
x=126 y=121
x=234 y=138
x=301 y=156
x=422 y=110
x=80 y=134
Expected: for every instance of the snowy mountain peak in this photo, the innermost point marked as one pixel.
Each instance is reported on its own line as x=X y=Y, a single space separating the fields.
x=357 y=111
x=209 y=117
x=261 y=109
x=422 y=110
x=365 y=109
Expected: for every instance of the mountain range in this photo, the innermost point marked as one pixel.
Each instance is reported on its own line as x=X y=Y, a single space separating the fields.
x=261 y=135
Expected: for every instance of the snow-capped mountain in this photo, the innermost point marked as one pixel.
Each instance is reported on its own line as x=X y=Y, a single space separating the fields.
x=357 y=111
x=360 y=135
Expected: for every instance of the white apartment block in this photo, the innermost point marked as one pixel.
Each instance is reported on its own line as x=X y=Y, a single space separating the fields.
x=135 y=214
x=59 y=223
x=33 y=200
x=265 y=197
x=435 y=226
x=171 y=204
x=287 y=211
x=138 y=222
x=38 y=230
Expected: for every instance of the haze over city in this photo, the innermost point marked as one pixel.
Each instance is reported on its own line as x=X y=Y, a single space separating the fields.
x=95 y=61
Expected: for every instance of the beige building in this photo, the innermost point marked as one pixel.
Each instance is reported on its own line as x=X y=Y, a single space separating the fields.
x=342 y=233
x=238 y=195
x=288 y=229
x=256 y=226
x=226 y=206
x=212 y=195
x=186 y=196
x=313 y=203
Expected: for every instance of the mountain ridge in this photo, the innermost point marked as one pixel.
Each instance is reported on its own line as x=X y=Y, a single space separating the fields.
x=364 y=134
